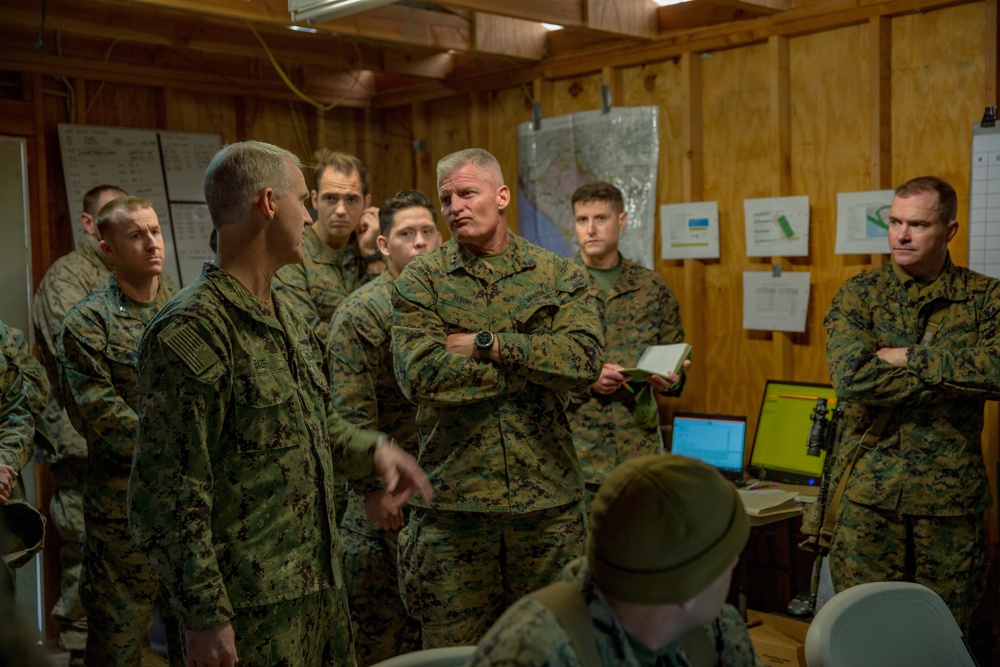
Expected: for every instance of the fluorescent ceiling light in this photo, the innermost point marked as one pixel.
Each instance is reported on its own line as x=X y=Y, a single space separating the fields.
x=315 y=11
x=664 y=3
x=302 y=28
x=552 y=26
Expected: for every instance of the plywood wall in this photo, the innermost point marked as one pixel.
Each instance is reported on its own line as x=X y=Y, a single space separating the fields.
x=801 y=114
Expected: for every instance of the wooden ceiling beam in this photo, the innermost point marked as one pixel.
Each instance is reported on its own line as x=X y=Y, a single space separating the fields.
x=709 y=12
x=187 y=80
x=630 y=18
x=213 y=36
x=517 y=38
x=567 y=13
x=392 y=23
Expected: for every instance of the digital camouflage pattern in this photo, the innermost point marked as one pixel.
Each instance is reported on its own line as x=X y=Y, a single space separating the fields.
x=315 y=286
x=231 y=487
x=69 y=279
x=97 y=353
x=365 y=393
x=460 y=570
x=529 y=635
x=36 y=382
x=928 y=460
x=870 y=545
x=17 y=430
x=495 y=437
x=639 y=311
x=311 y=631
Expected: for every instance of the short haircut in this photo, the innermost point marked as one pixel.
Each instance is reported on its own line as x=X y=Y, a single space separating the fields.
x=342 y=163
x=92 y=196
x=600 y=191
x=480 y=157
x=113 y=211
x=399 y=201
x=238 y=173
x=947 y=208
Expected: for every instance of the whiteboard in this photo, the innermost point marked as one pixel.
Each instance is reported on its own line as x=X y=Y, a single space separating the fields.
x=984 y=201
x=165 y=167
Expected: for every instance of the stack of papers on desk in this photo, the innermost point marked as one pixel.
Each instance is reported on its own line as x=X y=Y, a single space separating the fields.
x=770 y=502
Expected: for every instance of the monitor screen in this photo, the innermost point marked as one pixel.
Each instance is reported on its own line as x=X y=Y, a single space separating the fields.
x=718 y=440
x=780 y=451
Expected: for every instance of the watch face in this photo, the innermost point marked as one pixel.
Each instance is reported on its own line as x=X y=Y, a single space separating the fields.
x=484 y=339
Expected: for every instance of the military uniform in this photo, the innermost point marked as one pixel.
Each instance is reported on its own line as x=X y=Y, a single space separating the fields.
x=926 y=469
x=17 y=431
x=366 y=393
x=68 y=280
x=315 y=286
x=639 y=311
x=231 y=492
x=495 y=438
x=529 y=634
x=97 y=354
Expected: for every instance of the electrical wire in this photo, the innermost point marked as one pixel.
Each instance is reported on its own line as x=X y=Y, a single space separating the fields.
x=291 y=85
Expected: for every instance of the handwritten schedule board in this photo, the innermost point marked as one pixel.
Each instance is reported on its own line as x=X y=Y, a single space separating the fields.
x=165 y=167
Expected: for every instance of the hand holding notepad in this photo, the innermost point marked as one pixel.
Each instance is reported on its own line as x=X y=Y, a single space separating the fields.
x=659 y=360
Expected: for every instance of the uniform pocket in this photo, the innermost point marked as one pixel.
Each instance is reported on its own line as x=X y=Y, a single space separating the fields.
x=265 y=411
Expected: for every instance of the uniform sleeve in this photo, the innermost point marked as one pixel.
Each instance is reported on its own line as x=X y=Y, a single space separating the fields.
x=16 y=425
x=92 y=403
x=350 y=369
x=972 y=372
x=527 y=635
x=182 y=405
x=856 y=372
x=290 y=282
x=671 y=330
x=730 y=631
x=36 y=382
x=562 y=344
x=54 y=299
x=426 y=371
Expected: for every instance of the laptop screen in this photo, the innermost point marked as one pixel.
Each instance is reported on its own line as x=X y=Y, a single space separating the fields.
x=780 y=451
x=718 y=440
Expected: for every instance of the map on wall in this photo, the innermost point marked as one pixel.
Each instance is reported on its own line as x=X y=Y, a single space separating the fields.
x=621 y=147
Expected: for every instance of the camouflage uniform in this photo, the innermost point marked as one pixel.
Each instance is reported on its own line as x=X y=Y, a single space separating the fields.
x=495 y=438
x=231 y=492
x=316 y=286
x=528 y=634
x=17 y=430
x=97 y=354
x=68 y=280
x=926 y=471
x=360 y=366
x=639 y=311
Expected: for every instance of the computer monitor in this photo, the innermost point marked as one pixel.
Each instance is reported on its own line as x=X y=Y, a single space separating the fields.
x=718 y=440
x=780 y=452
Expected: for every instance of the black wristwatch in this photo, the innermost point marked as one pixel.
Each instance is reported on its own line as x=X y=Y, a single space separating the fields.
x=484 y=343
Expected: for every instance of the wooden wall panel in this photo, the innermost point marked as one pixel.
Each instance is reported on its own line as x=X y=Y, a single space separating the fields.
x=198 y=112
x=830 y=148
x=938 y=72
x=581 y=93
x=505 y=111
x=736 y=166
x=392 y=168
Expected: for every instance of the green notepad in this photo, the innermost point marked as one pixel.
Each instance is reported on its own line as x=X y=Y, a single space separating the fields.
x=659 y=360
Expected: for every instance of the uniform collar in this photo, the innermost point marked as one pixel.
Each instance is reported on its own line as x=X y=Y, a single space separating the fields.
x=627 y=281
x=950 y=285
x=519 y=256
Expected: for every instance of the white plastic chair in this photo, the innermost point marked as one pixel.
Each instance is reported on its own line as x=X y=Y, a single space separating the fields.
x=886 y=624
x=453 y=656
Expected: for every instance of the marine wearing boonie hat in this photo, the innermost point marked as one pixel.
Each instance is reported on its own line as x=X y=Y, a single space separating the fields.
x=663 y=528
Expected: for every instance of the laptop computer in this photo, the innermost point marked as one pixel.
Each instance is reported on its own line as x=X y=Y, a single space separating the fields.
x=718 y=440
